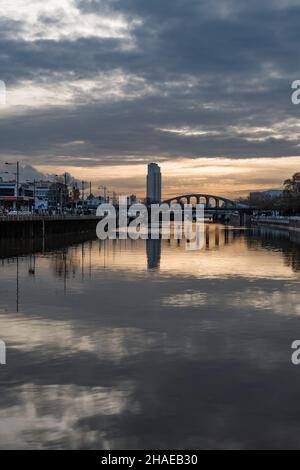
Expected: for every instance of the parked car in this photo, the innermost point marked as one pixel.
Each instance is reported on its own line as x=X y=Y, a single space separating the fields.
x=20 y=213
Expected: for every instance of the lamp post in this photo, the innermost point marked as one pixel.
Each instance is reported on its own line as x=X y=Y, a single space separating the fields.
x=18 y=179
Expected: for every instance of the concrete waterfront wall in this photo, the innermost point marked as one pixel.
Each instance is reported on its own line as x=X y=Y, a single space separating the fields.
x=10 y=248
x=282 y=223
x=43 y=227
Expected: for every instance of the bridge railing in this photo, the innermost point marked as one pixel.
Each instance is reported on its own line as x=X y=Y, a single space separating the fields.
x=275 y=220
x=33 y=217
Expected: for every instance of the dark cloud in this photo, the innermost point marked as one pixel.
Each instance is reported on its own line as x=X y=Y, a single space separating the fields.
x=197 y=65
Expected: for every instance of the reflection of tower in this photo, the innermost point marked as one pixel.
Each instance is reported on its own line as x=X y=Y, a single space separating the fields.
x=18 y=285
x=153 y=253
x=153 y=184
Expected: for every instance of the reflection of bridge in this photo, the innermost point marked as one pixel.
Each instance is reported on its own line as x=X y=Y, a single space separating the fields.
x=210 y=202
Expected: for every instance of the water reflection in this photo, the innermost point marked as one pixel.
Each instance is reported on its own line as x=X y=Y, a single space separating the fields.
x=153 y=253
x=286 y=242
x=142 y=344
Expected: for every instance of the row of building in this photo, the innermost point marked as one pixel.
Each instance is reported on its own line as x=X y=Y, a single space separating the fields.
x=58 y=196
x=42 y=196
x=50 y=197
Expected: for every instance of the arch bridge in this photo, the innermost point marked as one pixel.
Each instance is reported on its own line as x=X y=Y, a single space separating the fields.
x=210 y=202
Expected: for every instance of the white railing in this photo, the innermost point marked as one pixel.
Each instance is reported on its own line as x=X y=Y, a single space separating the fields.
x=273 y=220
x=278 y=220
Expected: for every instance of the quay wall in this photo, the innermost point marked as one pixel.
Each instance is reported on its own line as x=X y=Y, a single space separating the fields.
x=43 y=227
x=282 y=223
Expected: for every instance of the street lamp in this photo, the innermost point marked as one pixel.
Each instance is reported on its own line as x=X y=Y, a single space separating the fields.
x=18 y=178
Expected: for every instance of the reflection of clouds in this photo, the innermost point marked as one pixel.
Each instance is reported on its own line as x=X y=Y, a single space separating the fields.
x=51 y=415
x=229 y=254
x=209 y=264
x=226 y=339
x=128 y=351
x=26 y=334
x=213 y=343
x=187 y=299
x=280 y=302
x=230 y=258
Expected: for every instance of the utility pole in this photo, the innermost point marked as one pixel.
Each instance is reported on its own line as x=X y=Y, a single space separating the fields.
x=18 y=179
x=17 y=182
x=61 y=200
x=34 y=194
x=105 y=191
x=66 y=192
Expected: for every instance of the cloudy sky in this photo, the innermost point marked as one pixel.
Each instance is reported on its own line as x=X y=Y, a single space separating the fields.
x=99 y=88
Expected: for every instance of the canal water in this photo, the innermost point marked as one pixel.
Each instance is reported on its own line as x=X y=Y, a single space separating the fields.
x=144 y=345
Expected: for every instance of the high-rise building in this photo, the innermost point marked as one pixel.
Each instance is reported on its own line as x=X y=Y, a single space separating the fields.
x=153 y=184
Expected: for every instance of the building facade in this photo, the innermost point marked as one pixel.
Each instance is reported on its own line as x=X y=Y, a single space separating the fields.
x=12 y=198
x=270 y=194
x=154 y=186
x=58 y=196
x=41 y=189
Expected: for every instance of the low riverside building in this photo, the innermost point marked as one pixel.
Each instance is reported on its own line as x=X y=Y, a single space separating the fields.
x=42 y=189
x=11 y=198
x=58 y=196
x=89 y=205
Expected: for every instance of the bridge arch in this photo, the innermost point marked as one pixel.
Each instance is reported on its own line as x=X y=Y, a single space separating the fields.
x=210 y=201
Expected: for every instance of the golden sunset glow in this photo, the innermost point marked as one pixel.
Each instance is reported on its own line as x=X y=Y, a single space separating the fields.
x=223 y=176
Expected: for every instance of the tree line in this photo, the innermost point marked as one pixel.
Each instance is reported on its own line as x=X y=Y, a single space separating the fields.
x=287 y=203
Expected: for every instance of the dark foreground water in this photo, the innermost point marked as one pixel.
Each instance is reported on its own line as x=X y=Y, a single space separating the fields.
x=128 y=345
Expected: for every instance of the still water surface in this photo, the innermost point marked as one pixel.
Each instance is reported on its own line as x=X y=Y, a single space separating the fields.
x=139 y=345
